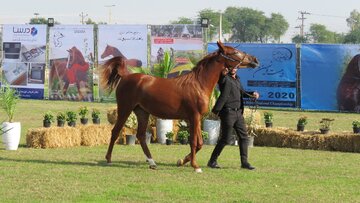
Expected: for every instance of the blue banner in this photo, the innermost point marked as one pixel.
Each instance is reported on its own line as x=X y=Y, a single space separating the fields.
x=30 y=93
x=322 y=68
x=275 y=79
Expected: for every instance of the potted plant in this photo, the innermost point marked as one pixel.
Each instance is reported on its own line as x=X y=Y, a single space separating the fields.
x=183 y=136
x=325 y=124
x=11 y=131
x=169 y=137
x=71 y=118
x=211 y=122
x=83 y=112
x=268 y=118
x=356 y=126
x=95 y=114
x=60 y=118
x=205 y=136
x=301 y=123
x=48 y=119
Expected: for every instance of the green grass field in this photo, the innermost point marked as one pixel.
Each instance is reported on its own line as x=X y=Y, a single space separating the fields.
x=80 y=174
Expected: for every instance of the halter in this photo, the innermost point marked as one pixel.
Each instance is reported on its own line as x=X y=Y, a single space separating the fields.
x=233 y=60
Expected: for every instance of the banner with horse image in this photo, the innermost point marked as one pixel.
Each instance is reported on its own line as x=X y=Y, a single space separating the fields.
x=128 y=41
x=24 y=48
x=275 y=79
x=183 y=42
x=71 y=62
x=330 y=77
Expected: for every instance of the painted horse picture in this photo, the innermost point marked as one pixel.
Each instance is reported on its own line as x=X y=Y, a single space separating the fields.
x=184 y=97
x=114 y=52
x=348 y=92
x=70 y=71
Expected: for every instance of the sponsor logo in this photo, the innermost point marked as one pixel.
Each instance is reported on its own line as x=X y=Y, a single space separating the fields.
x=25 y=30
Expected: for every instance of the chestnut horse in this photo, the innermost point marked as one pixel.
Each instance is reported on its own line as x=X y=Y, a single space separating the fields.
x=70 y=71
x=112 y=51
x=184 y=97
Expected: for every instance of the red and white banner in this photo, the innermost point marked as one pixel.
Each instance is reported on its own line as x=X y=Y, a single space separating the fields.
x=71 y=62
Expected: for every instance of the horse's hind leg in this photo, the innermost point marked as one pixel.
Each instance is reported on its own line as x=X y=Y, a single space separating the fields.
x=196 y=143
x=143 y=119
x=123 y=114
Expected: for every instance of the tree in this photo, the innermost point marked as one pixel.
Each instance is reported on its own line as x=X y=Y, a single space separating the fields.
x=249 y=25
x=276 y=26
x=353 y=37
x=214 y=19
x=354 y=20
x=299 y=39
x=40 y=20
x=320 y=34
x=182 y=20
x=354 y=23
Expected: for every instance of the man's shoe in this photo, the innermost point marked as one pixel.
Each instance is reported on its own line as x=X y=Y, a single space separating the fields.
x=213 y=164
x=247 y=166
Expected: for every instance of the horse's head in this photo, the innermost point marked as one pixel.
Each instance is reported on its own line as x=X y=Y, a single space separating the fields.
x=235 y=58
x=111 y=51
x=75 y=57
x=107 y=51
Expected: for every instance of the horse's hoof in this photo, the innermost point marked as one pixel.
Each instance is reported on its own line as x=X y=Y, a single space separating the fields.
x=180 y=162
x=109 y=163
x=198 y=170
x=153 y=167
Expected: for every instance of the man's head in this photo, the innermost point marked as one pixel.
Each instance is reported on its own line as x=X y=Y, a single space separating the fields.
x=225 y=71
x=233 y=72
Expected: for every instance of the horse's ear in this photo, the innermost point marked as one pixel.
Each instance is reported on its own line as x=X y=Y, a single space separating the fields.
x=221 y=46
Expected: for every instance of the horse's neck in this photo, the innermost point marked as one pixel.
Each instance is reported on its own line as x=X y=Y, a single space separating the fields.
x=209 y=76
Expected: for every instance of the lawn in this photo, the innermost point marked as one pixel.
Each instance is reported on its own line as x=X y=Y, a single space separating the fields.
x=80 y=174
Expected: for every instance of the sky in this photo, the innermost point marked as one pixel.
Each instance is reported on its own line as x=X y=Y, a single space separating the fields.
x=330 y=13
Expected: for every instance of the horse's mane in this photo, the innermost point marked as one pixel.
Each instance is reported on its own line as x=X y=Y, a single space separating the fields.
x=196 y=71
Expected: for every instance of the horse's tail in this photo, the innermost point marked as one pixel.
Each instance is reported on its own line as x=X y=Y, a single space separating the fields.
x=112 y=72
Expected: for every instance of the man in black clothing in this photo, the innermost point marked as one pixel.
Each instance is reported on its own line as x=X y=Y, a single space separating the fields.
x=230 y=108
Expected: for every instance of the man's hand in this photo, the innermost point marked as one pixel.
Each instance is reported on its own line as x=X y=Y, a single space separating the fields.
x=256 y=95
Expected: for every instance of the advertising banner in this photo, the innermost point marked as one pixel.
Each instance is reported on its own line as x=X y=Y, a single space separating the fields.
x=275 y=79
x=24 y=48
x=128 y=41
x=330 y=77
x=183 y=42
x=71 y=62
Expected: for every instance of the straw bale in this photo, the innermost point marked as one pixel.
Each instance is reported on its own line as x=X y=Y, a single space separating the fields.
x=93 y=135
x=282 y=137
x=53 y=137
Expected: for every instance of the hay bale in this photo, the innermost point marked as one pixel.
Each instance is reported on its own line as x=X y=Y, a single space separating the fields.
x=53 y=137
x=94 y=135
x=282 y=137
